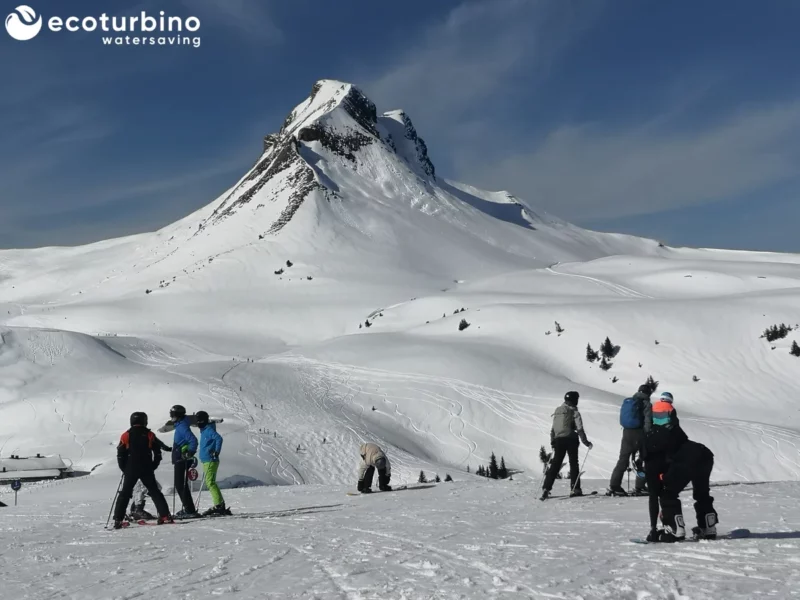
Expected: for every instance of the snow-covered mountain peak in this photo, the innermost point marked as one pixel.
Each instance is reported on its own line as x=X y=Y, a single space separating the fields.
x=403 y=138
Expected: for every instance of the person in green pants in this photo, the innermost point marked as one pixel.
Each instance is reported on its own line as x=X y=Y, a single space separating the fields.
x=210 y=447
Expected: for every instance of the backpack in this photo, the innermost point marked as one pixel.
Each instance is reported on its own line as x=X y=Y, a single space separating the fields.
x=630 y=414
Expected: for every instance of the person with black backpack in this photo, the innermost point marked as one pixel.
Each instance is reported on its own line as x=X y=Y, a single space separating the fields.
x=567 y=429
x=635 y=417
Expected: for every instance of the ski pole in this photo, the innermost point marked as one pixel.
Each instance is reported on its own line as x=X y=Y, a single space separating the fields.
x=114 y=501
x=577 y=481
x=202 y=483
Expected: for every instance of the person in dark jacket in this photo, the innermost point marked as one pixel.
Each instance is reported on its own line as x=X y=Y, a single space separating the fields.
x=672 y=462
x=138 y=457
x=184 y=447
x=567 y=429
x=633 y=435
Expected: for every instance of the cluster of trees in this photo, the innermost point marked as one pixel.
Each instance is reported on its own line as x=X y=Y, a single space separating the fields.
x=776 y=332
x=606 y=353
x=424 y=478
x=494 y=471
x=463 y=325
x=795 y=351
x=546 y=457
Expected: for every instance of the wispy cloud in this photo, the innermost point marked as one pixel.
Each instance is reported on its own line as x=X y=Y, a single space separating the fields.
x=251 y=19
x=588 y=172
x=479 y=53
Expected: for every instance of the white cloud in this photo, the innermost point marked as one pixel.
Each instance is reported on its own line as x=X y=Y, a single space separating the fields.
x=250 y=18
x=584 y=172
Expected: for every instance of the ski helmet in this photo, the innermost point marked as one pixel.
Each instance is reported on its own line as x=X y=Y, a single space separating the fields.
x=646 y=389
x=202 y=418
x=572 y=398
x=139 y=418
x=177 y=411
x=666 y=397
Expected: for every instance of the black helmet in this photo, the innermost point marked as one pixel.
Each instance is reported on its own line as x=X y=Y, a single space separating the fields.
x=202 y=418
x=139 y=418
x=572 y=398
x=646 y=389
x=177 y=411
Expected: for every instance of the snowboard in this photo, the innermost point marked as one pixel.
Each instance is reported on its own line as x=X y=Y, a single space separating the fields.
x=394 y=489
x=736 y=534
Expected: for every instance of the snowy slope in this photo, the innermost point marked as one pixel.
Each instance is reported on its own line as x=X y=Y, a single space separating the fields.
x=458 y=540
x=208 y=313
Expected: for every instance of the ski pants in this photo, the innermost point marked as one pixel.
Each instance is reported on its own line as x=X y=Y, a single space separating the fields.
x=210 y=479
x=632 y=440
x=148 y=479
x=366 y=473
x=692 y=463
x=181 y=483
x=561 y=448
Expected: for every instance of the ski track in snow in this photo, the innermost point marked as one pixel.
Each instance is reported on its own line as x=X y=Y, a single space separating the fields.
x=616 y=288
x=468 y=539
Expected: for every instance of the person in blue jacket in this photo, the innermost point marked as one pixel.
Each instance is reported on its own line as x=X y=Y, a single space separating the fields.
x=184 y=447
x=210 y=447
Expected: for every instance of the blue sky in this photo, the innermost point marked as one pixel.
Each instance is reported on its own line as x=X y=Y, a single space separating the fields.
x=673 y=120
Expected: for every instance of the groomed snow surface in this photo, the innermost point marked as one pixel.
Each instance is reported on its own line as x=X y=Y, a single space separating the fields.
x=343 y=326
x=466 y=539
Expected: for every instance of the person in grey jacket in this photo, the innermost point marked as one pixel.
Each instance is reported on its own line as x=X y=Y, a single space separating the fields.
x=372 y=458
x=564 y=435
x=636 y=424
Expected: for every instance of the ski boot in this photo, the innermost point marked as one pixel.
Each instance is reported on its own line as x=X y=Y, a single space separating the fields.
x=120 y=524
x=383 y=481
x=138 y=513
x=616 y=491
x=366 y=490
x=545 y=495
x=166 y=520
x=709 y=532
x=673 y=533
x=217 y=511
x=654 y=536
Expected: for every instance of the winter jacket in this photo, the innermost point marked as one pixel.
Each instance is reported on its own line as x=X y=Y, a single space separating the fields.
x=210 y=444
x=666 y=435
x=183 y=441
x=373 y=456
x=567 y=423
x=138 y=450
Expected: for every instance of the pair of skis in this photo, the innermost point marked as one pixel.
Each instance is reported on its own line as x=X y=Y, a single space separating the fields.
x=736 y=534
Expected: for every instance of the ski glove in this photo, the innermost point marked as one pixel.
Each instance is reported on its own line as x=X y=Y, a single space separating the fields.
x=589 y=445
x=214 y=456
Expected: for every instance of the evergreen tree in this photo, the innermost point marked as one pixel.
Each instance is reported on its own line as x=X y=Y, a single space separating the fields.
x=591 y=354
x=795 y=351
x=463 y=325
x=480 y=470
x=422 y=478
x=493 y=468
x=652 y=383
x=605 y=365
x=545 y=457
x=467 y=468
x=607 y=349
x=437 y=479
x=447 y=477
x=503 y=472
x=559 y=328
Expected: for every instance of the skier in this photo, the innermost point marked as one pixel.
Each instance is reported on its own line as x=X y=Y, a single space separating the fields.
x=672 y=462
x=184 y=447
x=170 y=425
x=635 y=417
x=564 y=435
x=210 y=447
x=137 y=510
x=138 y=457
x=372 y=457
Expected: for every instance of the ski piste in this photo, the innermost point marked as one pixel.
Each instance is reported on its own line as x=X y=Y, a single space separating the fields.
x=394 y=489
x=735 y=534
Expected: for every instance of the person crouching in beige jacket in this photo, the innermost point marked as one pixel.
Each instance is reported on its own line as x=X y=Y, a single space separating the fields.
x=372 y=457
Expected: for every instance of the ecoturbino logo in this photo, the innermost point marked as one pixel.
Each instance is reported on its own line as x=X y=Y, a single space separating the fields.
x=24 y=24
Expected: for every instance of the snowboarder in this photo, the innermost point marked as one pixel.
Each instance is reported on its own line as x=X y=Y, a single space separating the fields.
x=372 y=457
x=635 y=417
x=184 y=447
x=672 y=461
x=210 y=447
x=138 y=457
x=564 y=435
